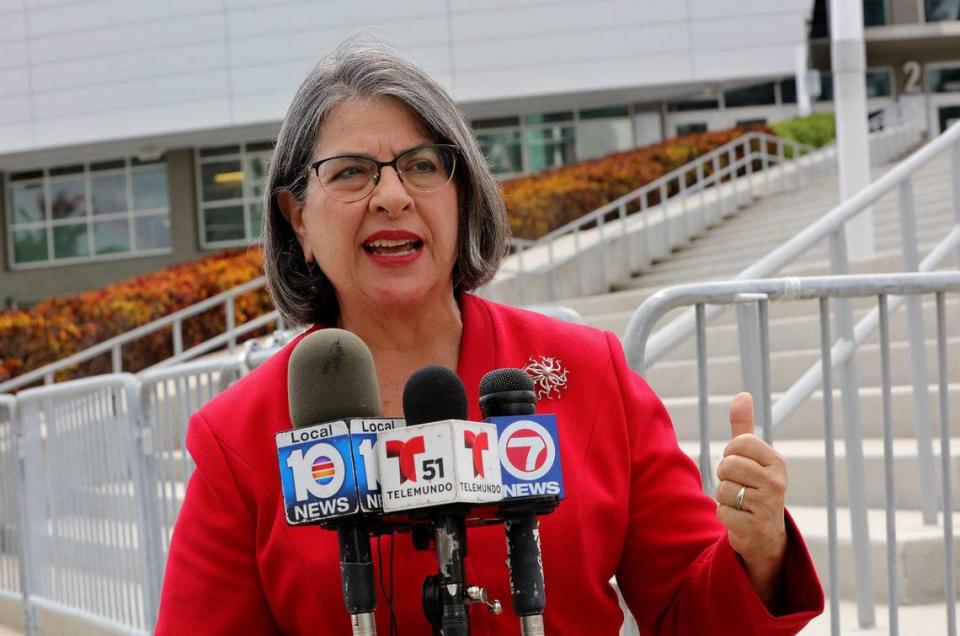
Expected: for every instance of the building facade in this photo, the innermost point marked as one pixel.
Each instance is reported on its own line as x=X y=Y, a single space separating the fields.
x=136 y=134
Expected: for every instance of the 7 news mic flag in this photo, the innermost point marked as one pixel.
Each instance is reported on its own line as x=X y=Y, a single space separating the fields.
x=533 y=484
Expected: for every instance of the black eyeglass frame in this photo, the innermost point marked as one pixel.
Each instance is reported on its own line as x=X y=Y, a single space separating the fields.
x=315 y=167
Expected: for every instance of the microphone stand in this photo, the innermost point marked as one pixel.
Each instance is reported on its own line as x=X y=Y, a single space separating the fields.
x=524 y=558
x=356 y=576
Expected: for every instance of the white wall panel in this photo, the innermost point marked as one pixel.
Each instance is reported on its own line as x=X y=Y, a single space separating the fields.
x=116 y=42
x=134 y=122
x=14 y=82
x=13 y=55
x=570 y=18
x=113 y=13
x=13 y=26
x=730 y=33
x=742 y=63
x=15 y=137
x=700 y=9
x=15 y=110
x=582 y=46
x=184 y=88
x=130 y=66
x=311 y=44
x=118 y=68
x=568 y=77
x=324 y=15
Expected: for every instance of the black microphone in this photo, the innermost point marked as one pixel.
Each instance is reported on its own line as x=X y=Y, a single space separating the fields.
x=447 y=450
x=510 y=392
x=331 y=379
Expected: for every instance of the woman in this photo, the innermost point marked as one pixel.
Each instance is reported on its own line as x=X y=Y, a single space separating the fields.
x=381 y=217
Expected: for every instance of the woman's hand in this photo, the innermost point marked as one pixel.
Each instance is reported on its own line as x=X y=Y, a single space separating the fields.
x=755 y=527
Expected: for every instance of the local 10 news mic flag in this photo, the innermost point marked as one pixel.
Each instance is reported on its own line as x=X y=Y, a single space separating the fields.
x=529 y=451
x=328 y=463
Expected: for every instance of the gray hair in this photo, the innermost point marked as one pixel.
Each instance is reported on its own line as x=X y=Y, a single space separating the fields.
x=300 y=291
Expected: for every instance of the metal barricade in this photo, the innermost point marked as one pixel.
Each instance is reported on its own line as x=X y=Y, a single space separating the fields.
x=888 y=289
x=87 y=516
x=168 y=397
x=13 y=592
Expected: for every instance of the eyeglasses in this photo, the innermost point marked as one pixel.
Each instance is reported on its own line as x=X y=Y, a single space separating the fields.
x=350 y=178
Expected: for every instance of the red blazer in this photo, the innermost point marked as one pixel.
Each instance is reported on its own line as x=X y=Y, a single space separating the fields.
x=634 y=508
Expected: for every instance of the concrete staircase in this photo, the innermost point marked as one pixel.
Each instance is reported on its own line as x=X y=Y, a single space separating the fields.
x=720 y=254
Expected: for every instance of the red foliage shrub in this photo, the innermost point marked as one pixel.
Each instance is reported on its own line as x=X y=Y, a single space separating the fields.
x=59 y=327
x=542 y=202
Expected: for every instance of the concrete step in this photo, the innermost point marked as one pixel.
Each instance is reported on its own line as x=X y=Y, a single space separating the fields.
x=807 y=421
x=928 y=619
x=806 y=471
x=673 y=377
x=919 y=554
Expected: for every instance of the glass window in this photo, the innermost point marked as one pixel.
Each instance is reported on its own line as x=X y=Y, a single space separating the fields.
x=67 y=198
x=29 y=246
x=944 y=80
x=152 y=232
x=879 y=83
x=692 y=104
x=757 y=95
x=222 y=180
x=70 y=241
x=826 y=87
x=149 y=189
x=752 y=122
x=599 y=137
x=548 y=118
x=231 y=181
x=28 y=202
x=88 y=211
x=499 y=122
x=788 y=91
x=549 y=147
x=224 y=224
x=108 y=193
x=874 y=13
x=111 y=237
x=686 y=129
x=940 y=10
x=503 y=150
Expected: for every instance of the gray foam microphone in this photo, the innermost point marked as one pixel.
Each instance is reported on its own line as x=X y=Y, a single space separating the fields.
x=331 y=376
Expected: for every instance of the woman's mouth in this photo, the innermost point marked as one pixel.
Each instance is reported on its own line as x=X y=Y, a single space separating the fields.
x=392 y=247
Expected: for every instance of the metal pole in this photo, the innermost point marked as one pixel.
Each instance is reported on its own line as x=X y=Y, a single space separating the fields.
x=918 y=358
x=955 y=178
x=853 y=436
x=946 y=462
x=831 y=465
x=848 y=56
x=703 y=402
x=890 y=502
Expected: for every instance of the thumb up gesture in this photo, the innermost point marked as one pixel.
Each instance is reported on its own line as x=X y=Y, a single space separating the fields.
x=753 y=482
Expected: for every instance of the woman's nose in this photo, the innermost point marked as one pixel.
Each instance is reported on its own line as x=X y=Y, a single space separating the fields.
x=390 y=195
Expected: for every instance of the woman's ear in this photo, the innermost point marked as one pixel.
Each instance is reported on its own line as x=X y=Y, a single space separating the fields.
x=293 y=212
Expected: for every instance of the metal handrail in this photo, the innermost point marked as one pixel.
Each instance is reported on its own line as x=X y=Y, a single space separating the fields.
x=175 y=320
x=681 y=327
x=755 y=366
x=799 y=149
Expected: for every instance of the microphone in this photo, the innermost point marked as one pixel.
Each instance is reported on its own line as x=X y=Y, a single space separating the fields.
x=533 y=484
x=437 y=468
x=328 y=466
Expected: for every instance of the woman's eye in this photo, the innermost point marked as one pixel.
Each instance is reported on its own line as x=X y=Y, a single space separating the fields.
x=349 y=172
x=422 y=166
